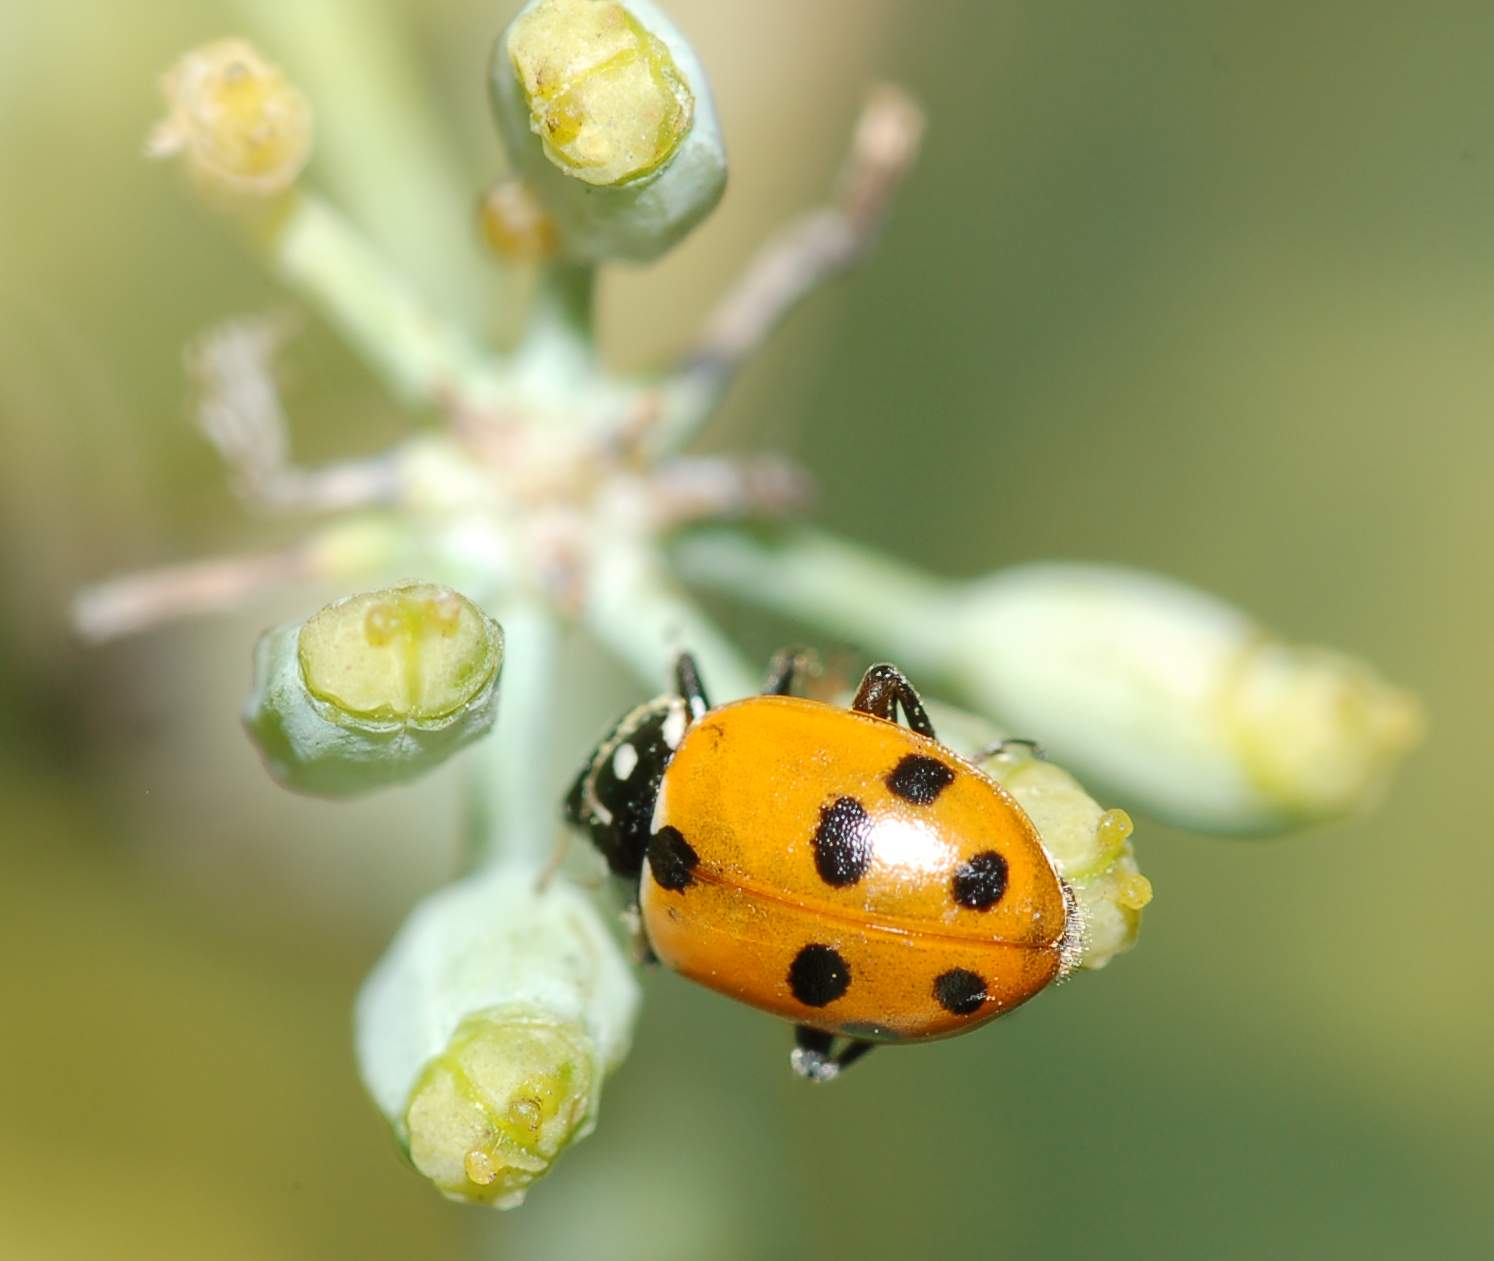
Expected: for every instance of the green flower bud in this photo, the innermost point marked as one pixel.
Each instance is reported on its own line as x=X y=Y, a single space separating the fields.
x=240 y=124
x=486 y=1030
x=1174 y=699
x=607 y=117
x=374 y=689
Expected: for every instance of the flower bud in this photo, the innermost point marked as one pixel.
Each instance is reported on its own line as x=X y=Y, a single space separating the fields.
x=484 y=1033
x=515 y=225
x=374 y=689
x=606 y=114
x=1175 y=700
x=240 y=124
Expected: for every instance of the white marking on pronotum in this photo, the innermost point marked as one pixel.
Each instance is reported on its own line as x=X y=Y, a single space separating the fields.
x=656 y=820
x=674 y=725
x=624 y=761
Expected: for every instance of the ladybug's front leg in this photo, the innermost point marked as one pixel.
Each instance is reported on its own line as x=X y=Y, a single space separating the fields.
x=885 y=687
x=812 y=1058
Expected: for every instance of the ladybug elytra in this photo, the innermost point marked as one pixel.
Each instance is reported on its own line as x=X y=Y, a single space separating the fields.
x=831 y=866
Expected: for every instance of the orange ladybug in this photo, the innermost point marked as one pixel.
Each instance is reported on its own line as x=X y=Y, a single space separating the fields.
x=829 y=866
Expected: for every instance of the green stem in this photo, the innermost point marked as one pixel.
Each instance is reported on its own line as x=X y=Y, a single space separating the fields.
x=558 y=350
x=512 y=813
x=321 y=254
x=636 y=609
x=382 y=146
x=848 y=590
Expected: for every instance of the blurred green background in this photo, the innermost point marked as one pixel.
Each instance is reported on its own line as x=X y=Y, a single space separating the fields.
x=1203 y=287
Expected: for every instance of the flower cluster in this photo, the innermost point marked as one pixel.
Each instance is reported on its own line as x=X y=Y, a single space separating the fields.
x=559 y=494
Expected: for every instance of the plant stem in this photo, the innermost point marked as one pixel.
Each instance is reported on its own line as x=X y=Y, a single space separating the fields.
x=321 y=254
x=848 y=590
x=382 y=146
x=637 y=610
x=558 y=352
x=512 y=813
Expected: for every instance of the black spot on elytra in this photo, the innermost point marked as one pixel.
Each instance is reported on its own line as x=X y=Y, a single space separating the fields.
x=819 y=975
x=672 y=859
x=979 y=883
x=842 y=842
x=920 y=779
x=960 y=991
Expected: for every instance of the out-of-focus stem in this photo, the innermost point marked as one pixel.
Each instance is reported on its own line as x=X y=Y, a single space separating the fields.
x=140 y=601
x=350 y=548
x=636 y=609
x=558 y=351
x=512 y=814
x=841 y=587
x=801 y=258
x=322 y=255
x=381 y=145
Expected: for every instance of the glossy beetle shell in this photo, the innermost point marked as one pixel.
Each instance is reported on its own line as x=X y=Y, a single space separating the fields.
x=837 y=870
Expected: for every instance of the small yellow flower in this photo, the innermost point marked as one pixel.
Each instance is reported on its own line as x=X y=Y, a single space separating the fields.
x=241 y=125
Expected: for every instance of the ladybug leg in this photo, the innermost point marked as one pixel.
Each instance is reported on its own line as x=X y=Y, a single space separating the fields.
x=883 y=689
x=854 y=1050
x=688 y=684
x=783 y=670
x=812 y=1058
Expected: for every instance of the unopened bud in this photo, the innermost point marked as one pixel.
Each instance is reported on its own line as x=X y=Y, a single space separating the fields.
x=515 y=225
x=1174 y=700
x=485 y=1032
x=240 y=124
x=606 y=114
x=374 y=689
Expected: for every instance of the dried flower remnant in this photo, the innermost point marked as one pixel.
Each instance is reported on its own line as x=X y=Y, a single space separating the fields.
x=240 y=124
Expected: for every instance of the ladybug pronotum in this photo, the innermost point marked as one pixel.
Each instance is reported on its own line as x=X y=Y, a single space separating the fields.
x=827 y=865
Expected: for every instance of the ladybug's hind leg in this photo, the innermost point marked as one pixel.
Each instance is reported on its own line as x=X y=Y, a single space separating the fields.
x=883 y=689
x=812 y=1056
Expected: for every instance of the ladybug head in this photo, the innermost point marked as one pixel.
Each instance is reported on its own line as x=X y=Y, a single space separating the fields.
x=612 y=798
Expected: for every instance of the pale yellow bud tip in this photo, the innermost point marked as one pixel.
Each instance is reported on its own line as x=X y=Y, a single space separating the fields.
x=1316 y=731
x=491 y=1113
x=605 y=97
x=413 y=652
x=238 y=122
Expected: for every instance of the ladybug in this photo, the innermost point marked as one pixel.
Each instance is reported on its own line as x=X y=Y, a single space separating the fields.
x=831 y=866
